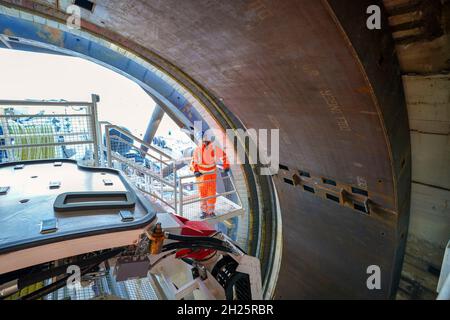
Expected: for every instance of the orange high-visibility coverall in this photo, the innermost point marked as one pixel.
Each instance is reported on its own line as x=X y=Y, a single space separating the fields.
x=204 y=160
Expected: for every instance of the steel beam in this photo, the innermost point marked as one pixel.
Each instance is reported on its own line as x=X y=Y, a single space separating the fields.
x=152 y=127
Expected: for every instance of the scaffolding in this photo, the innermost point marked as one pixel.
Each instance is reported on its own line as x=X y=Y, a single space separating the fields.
x=37 y=130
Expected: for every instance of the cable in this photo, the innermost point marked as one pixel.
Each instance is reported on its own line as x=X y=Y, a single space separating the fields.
x=39 y=276
x=194 y=239
x=185 y=245
x=181 y=244
x=54 y=286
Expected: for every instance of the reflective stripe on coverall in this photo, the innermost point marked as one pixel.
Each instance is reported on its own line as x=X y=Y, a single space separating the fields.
x=205 y=160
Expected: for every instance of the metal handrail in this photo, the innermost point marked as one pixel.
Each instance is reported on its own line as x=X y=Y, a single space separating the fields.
x=223 y=194
x=45 y=115
x=90 y=131
x=38 y=145
x=149 y=146
x=155 y=195
x=176 y=185
x=45 y=103
x=132 y=145
x=144 y=170
x=210 y=197
x=200 y=182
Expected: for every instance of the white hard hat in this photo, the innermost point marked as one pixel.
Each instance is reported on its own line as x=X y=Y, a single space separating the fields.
x=209 y=136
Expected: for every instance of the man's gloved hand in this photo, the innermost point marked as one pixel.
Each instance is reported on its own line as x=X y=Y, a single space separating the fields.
x=197 y=174
x=227 y=170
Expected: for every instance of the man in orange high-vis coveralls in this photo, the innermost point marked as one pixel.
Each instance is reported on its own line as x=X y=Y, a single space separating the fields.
x=204 y=164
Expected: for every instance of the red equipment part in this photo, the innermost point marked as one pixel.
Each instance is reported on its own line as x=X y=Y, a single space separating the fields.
x=198 y=229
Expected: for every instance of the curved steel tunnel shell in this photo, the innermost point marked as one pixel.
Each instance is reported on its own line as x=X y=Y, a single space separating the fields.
x=332 y=87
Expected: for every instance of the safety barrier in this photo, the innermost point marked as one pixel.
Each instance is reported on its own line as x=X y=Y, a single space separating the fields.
x=157 y=174
x=34 y=130
x=225 y=202
x=150 y=169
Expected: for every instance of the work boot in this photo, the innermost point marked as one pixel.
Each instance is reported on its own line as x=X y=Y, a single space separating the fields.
x=207 y=215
